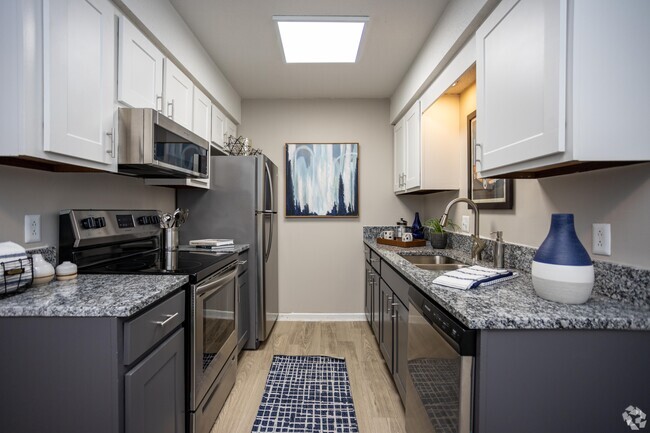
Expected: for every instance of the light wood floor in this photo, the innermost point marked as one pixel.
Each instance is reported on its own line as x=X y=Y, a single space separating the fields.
x=377 y=403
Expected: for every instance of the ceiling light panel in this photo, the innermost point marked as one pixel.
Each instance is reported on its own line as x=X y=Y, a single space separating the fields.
x=321 y=39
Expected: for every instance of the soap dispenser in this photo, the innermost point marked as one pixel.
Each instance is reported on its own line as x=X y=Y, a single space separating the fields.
x=497 y=252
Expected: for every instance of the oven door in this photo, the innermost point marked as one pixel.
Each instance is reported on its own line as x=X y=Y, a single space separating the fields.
x=214 y=329
x=440 y=374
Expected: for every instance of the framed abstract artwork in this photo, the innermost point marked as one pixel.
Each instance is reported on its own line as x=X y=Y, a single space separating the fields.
x=486 y=193
x=322 y=180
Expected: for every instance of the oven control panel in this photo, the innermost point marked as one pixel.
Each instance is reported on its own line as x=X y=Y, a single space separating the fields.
x=93 y=226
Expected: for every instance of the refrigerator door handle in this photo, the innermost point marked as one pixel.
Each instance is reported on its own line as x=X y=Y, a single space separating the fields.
x=267 y=253
x=268 y=176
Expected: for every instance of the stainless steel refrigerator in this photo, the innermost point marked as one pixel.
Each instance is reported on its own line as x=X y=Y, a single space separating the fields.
x=241 y=204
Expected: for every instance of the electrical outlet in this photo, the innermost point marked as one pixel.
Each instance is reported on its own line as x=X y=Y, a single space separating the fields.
x=32 y=228
x=464 y=225
x=601 y=240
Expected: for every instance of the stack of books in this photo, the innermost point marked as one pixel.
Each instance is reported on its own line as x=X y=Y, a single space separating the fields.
x=214 y=244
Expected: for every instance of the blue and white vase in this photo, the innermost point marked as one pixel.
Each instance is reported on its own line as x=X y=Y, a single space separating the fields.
x=562 y=269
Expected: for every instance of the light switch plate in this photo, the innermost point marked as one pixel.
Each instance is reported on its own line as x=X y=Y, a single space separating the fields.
x=465 y=223
x=601 y=239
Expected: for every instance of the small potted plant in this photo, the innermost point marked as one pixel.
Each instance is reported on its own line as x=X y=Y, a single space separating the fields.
x=437 y=234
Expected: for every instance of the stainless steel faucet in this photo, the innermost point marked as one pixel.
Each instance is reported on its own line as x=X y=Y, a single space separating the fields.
x=478 y=244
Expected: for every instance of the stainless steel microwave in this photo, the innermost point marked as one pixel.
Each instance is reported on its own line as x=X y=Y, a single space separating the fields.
x=152 y=145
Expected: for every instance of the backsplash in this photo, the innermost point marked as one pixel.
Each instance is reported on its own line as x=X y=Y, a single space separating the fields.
x=48 y=253
x=624 y=283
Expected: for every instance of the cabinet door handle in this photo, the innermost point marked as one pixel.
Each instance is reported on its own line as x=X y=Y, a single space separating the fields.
x=170 y=109
x=164 y=322
x=159 y=99
x=111 y=150
x=477 y=158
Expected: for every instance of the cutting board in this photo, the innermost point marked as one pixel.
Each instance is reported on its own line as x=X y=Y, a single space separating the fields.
x=400 y=243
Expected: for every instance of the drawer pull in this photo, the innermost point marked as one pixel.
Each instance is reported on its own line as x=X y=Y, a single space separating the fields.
x=169 y=317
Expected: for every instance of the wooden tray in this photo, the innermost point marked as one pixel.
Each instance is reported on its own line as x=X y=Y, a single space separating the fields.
x=399 y=243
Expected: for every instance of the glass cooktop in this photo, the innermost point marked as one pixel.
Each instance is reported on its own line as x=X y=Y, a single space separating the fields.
x=197 y=265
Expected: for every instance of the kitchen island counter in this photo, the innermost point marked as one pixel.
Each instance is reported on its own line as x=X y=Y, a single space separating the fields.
x=512 y=304
x=92 y=295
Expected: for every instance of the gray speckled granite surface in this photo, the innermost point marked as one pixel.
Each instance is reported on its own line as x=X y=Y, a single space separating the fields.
x=513 y=304
x=49 y=254
x=92 y=296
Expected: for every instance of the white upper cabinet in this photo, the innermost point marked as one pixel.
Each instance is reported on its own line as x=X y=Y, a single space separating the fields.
x=79 y=81
x=218 y=130
x=201 y=115
x=231 y=128
x=399 y=164
x=413 y=151
x=407 y=151
x=521 y=86
x=554 y=86
x=140 y=69
x=179 y=91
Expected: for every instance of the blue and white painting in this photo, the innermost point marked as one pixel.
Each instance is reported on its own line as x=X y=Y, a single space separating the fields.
x=322 y=180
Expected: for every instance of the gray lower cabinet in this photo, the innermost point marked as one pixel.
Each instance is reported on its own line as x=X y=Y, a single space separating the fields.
x=386 y=297
x=400 y=347
x=154 y=390
x=371 y=281
x=243 y=303
x=95 y=374
x=374 y=262
x=386 y=323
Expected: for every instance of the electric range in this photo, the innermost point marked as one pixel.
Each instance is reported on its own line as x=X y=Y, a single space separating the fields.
x=129 y=242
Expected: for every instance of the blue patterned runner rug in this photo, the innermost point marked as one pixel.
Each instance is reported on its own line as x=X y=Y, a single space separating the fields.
x=306 y=394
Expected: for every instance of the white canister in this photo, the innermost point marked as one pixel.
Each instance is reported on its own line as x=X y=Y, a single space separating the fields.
x=66 y=271
x=43 y=271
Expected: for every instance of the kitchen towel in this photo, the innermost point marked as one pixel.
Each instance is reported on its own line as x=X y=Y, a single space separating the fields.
x=474 y=276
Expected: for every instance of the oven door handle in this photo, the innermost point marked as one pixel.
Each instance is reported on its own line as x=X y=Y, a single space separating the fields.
x=218 y=279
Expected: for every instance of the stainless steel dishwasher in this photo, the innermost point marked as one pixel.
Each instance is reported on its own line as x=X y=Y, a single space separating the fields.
x=440 y=370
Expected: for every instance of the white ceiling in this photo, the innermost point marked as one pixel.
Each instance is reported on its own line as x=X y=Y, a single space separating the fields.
x=243 y=40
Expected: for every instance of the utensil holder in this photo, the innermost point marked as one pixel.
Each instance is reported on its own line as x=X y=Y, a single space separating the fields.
x=170 y=239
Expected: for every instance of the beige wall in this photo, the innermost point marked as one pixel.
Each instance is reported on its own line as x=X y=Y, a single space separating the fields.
x=321 y=264
x=26 y=191
x=619 y=196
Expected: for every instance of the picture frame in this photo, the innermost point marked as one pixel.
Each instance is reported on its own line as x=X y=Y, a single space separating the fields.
x=321 y=180
x=486 y=193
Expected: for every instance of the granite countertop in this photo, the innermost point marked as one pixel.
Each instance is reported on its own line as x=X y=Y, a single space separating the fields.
x=512 y=304
x=95 y=295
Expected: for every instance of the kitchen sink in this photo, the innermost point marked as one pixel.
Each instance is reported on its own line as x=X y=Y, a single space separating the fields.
x=435 y=263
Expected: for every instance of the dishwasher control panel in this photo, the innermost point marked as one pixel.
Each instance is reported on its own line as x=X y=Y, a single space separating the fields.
x=451 y=329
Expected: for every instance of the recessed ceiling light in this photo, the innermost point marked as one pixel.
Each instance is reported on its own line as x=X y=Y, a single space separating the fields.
x=320 y=39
